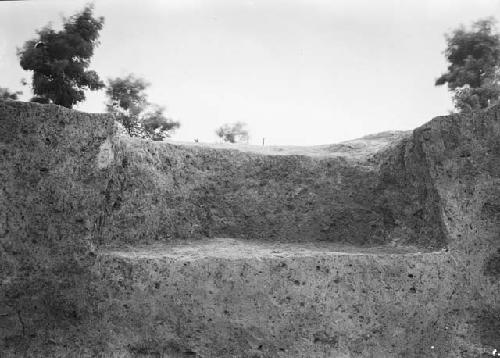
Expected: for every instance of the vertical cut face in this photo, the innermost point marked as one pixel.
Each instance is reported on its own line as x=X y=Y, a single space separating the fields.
x=164 y=192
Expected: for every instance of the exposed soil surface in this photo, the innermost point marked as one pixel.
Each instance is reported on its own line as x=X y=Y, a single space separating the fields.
x=385 y=246
x=357 y=149
x=234 y=249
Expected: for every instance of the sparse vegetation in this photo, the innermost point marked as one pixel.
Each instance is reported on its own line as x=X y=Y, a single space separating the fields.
x=233 y=132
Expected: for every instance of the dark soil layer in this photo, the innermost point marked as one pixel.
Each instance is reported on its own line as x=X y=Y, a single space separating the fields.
x=94 y=228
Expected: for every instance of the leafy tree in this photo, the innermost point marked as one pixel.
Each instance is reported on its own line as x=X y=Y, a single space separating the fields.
x=233 y=132
x=7 y=95
x=473 y=71
x=127 y=100
x=156 y=124
x=59 y=59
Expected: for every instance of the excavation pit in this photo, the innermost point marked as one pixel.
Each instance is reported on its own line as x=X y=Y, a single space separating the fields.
x=385 y=246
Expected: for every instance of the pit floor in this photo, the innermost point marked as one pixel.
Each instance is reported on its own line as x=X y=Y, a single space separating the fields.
x=238 y=248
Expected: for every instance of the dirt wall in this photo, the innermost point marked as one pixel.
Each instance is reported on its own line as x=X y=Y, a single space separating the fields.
x=73 y=186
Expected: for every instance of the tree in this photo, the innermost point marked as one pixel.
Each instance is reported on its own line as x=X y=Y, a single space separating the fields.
x=233 y=132
x=473 y=71
x=8 y=95
x=59 y=60
x=156 y=125
x=127 y=100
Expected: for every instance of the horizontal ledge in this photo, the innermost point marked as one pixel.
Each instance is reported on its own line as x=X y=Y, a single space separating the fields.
x=227 y=248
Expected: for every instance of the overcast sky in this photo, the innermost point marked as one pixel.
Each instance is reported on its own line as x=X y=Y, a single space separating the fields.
x=298 y=72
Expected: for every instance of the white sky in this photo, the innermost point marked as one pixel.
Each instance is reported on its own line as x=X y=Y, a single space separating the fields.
x=298 y=72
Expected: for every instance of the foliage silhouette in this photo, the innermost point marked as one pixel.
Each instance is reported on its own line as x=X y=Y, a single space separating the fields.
x=233 y=132
x=59 y=60
x=127 y=100
x=473 y=72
